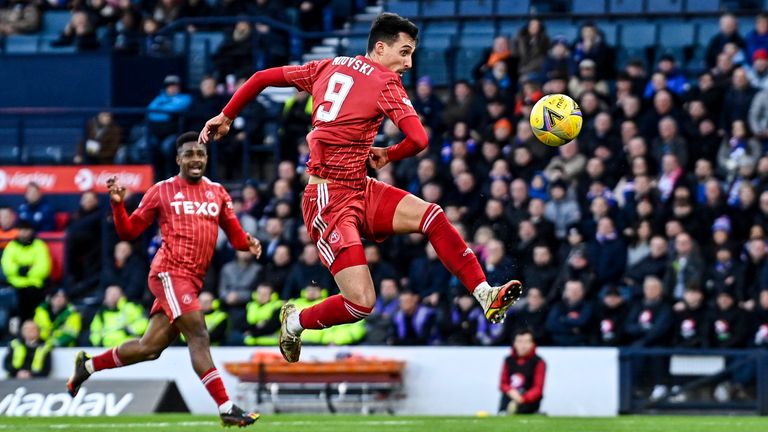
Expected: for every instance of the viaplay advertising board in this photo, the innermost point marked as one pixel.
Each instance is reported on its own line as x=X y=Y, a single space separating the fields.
x=74 y=179
x=42 y=398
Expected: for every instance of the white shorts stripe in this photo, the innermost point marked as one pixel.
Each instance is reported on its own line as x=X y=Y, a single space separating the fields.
x=325 y=251
x=321 y=226
x=432 y=215
x=170 y=296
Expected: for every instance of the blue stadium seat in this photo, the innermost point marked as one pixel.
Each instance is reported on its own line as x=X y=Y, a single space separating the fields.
x=441 y=28
x=588 y=7
x=664 y=6
x=702 y=5
x=567 y=29
x=513 y=7
x=54 y=21
x=45 y=46
x=466 y=59
x=360 y=26
x=626 y=7
x=638 y=34
x=705 y=30
x=437 y=41
x=438 y=8
x=433 y=62
x=50 y=145
x=676 y=34
x=20 y=44
x=475 y=40
x=356 y=45
x=9 y=143
x=408 y=9
x=610 y=32
x=479 y=27
x=475 y=7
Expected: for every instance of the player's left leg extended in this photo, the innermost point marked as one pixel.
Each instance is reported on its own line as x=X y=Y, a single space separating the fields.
x=192 y=326
x=159 y=335
x=414 y=215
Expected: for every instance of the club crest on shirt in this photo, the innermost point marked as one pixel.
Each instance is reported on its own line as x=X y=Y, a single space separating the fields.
x=407 y=102
x=334 y=237
x=186 y=299
x=209 y=195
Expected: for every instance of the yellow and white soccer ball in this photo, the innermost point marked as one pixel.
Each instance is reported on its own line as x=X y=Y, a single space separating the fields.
x=556 y=119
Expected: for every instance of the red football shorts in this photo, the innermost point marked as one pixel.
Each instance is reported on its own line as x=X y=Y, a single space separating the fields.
x=338 y=216
x=175 y=294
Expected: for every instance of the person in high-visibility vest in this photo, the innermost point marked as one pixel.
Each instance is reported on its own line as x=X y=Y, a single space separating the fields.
x=216 y=320
x=60 y=323
x=26 y=264
x=117 y=320
x=310 y=296
x=28 y=356
x=262 y=317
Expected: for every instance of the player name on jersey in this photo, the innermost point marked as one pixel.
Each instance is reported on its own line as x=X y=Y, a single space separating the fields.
x=354 y=63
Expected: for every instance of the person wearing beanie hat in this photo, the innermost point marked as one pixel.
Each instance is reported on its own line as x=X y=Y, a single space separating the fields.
x=757 y=73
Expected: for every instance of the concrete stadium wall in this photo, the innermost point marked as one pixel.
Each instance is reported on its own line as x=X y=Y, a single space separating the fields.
x=439 y=380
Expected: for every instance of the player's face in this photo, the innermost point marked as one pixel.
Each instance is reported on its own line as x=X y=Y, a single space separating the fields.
x=398 y=56
x=192 y=158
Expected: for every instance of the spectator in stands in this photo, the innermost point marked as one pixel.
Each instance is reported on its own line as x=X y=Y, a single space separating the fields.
x=380 y=269
x=670 y=141
x=127 y=37
x=379 y=324
x=529 y=47
x=591 y=45
x=206 y=102
x=80 y=32
x=296 y=123
x=102 y=140
x=568 y=164
x=467 y=323
x=8 y=230
x=117 y=320
x=729 y=33
x=611 y=316
x=262 y=320
x=235 y=55
x=28 y=356
x=216 y=320
x=311 y=295
x=155 y=43
x=59 y=322
x=569 y=322
x=20 y=17
x=127 y=269
x=685 y=269
x=428 y=105
x=757 y=73
x=759 y=331
x=162 y=122
x=522 y=377
x=36 y=210
x=236 y=283
x=649 y=322
x=414 y=323
x=427 y=274
x=532 y=316
x=727 y=325
x=757 y=39
x=278 y=268
x=271 y=41
x=655 y=264
x=558 y=64
x=691 y=317
x=562 y=210
x=673 y=79
x=736 y=145
x=499 y=52
x=737 y=100
x=586 y=80
x=607 y=253
x=543 y=272
x=167 y=11
x=83 y=248
x=497 y=265
x=463 y=106
x=311 y=14
x=26 y=264
x=307 y=269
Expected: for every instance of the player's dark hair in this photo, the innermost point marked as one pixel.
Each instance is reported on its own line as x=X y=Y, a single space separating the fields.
x=186 y=137
x=387 y=28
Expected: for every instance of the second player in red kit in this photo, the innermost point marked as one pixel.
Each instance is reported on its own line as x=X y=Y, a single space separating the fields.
x=351 y=97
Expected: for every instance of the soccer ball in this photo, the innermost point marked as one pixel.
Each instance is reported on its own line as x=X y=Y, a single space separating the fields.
x=556 y=119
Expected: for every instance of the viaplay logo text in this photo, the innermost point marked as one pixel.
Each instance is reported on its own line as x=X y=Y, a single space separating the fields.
x=20 y=403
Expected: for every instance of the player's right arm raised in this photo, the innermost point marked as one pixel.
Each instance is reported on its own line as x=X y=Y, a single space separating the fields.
x=129 y=227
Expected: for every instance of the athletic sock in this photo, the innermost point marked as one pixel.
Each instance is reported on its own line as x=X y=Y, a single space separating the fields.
x=106 y=360
x=332 y=311
x=453 y=252
x=212 y=382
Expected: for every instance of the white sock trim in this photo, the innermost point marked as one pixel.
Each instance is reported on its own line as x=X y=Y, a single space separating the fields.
x=89 y=366
x=226 y=407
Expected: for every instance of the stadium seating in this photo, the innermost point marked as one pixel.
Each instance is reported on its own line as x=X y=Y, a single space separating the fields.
x=54 y=22
x=476 y=7
x=9 y=142
x=21 y=44
x=588 y=7
x=512 y=7
x=438 y=8
x=702 y=6
x=408 y=9
x=625 y=6
x=664 y=6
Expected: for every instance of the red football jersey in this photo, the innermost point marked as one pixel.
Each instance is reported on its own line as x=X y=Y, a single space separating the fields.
x=189 y=216
x=351 y=96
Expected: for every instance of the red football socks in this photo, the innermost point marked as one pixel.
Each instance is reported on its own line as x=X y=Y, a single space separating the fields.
x=212 y=382
x=107 y=360
x=332 y=311
x=454 y=253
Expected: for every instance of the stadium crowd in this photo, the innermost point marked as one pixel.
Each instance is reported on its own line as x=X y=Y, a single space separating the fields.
x=648 y=230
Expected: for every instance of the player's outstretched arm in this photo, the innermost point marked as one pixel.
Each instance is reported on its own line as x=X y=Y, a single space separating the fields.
x=240 y=240
x=128 y=228
x=415 y=141
x=218 y=126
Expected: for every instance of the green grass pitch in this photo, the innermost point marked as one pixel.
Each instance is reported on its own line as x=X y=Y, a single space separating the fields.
x=345 y=423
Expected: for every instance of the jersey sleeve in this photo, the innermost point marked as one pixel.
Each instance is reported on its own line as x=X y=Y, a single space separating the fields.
x=230 y=224
x=149 y=205
x=394 y=103
x=303 y=76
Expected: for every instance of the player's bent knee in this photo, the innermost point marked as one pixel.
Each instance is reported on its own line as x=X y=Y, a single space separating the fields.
x=151 y=351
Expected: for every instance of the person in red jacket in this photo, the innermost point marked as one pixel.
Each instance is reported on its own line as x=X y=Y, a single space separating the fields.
x=522 y=377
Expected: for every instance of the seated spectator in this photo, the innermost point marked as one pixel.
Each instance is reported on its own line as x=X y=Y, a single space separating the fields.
x=530 y=47
x=28 y=356
x=216 y=320
x=163 y=125
x=735 y=146
x=568 y=164
x=727 y=325
x=117 y=320
x=26 y=264
x=82 y=247
x=569 y=322
x=607 y=253
x=414 y=323
x=759 y=334
x=59 y=322
x=649 y=321
x=262 y=319
x=558 y=65
x=235 y=55
x=757 y=74
x=103 y=137
x=36 y=210
x=379 y=323
x=522 y=377
x=127 y=269
x=307 y=269
x=8 y=230
x=80 y=31
x=497 y=265
x=499 y=52
x=379 y=268
x=591 y=45
x=427 y=274
x=686 y=268
x=655 y=264
x=428 y=104
x=532 y=316
x=543 y=272
x=277 y=270
x=20 y=17
x=236 y=284
x=729 y=33
x=691 y=320
x=674 y=80
x=311 y=295
x=467 y=322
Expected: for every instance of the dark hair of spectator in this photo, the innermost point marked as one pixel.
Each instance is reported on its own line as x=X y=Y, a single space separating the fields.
x=525 y=331
x=387 y=29
x=186 y=137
